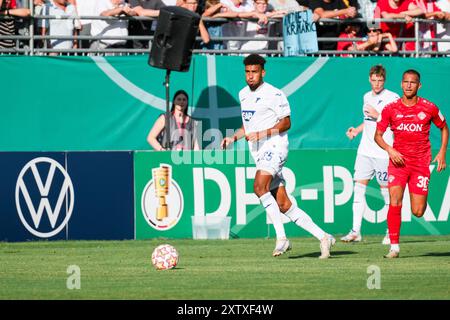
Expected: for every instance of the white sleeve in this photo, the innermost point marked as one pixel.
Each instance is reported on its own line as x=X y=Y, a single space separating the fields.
x=281 y=105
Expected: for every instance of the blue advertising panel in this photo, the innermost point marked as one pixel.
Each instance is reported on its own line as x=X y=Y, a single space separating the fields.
x=66 y=196
x=36 y=196
x=104 y=195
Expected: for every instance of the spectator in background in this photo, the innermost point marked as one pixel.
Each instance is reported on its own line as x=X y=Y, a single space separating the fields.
x=8 y=26
x=236 y=28
x=214 y=9
x=366 y=8
x=428 y=30
x=338 y=9
x=351 y=30
x=398 y=9
x=183 y=129
x=85 y=8
x=375 y=42
x=443 y=29
x=192 y=5
x=60 y=27
x=260 y=29
x=144 y=8
x=110 y=28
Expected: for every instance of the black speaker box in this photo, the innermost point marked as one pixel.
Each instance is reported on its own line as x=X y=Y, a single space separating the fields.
x=174 y=39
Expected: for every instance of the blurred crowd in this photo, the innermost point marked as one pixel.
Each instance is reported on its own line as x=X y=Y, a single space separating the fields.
x=240 y=18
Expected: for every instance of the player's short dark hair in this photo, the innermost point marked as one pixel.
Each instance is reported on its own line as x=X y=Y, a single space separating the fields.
x=254 y=59
x=412 y=71
x=378 y=70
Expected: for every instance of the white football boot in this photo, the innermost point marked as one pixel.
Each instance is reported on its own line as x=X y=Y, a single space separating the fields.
x=392 y=254
x=282 y=246
x=352 y=236
x=325 y=246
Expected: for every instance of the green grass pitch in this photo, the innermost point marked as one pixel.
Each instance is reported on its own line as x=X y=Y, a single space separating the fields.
x=233 y=269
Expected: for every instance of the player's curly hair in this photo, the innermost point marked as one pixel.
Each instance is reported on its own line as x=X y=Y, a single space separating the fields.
x=254 y=59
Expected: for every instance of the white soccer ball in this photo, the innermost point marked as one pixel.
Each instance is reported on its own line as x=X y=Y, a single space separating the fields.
x=164 y=257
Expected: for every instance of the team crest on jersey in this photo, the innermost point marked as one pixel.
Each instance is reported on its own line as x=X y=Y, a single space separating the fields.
x=422 y=115
x=247 y=114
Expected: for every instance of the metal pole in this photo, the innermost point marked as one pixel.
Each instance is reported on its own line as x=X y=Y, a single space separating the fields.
x=31 y=29
x=416 y=34
x=167 y=146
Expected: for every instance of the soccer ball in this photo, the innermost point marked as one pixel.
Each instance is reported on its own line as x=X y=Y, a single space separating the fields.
x=164 y=257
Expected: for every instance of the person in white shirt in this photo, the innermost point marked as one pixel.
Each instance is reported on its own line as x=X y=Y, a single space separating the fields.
x=60 y=27
x=110 y=28
x=266 y=119
x=260 y=30
x=85 y=8
x=371 y=161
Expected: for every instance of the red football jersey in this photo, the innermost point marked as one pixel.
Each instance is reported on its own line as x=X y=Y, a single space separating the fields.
x=411 y=128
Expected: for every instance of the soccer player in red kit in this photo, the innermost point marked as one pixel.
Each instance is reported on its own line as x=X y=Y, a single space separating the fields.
x=410 y=120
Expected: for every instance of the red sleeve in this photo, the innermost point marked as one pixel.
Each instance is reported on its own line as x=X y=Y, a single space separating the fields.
x=438 y=118
x=383 y=119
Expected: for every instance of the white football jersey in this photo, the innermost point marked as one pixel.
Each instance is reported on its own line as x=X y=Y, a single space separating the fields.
x=261 y=110
x=368 y=146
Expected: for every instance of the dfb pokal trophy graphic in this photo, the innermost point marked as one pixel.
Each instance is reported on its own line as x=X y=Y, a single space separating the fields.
x=161 y=177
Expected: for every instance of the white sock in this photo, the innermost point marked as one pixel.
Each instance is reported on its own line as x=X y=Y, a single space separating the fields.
x=359 y=205
x=301 y=218
x=387 y=201
x=395 y=247
x=272 y=209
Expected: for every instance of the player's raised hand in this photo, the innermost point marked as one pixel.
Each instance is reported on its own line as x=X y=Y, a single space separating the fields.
x=440 y=159
x=396 y=157
x=351 y=133
x=226 y=142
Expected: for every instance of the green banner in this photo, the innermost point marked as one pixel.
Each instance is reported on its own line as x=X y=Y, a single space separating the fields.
x=111 y=103
x=212 y=183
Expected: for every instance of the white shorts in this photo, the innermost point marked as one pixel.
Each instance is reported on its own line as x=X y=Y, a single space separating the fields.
x=272 y=160
x=366 y=168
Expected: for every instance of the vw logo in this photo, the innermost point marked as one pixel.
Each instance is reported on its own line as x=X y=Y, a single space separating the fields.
x=36 y=203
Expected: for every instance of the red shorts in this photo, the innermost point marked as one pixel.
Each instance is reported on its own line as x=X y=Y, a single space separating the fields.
x=416 y=177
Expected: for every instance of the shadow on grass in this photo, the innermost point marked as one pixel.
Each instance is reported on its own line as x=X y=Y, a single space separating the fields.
x=435 y=254
x=317 y=254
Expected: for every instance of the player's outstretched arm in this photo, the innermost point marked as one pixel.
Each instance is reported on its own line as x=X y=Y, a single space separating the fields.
x=353 y=132
x=235 y=137
x=394 y=155
x=440 y=157
x=282 y=126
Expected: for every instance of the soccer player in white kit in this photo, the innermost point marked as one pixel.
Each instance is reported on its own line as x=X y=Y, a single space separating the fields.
x=266 y=119
x=371 y=161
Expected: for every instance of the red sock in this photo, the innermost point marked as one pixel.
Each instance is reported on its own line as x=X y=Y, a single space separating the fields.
x=394 y=221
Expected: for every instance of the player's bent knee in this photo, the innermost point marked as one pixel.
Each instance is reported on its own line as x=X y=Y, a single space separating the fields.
x=284 y=207
x=418 y=213
x=260 y=190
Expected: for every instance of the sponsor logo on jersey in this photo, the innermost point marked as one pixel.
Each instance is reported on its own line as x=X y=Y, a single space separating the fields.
x=399 y=116
x=247 y=114
x=391 y=178
x=410 y=127
x=257 y=99
x=422 y=115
